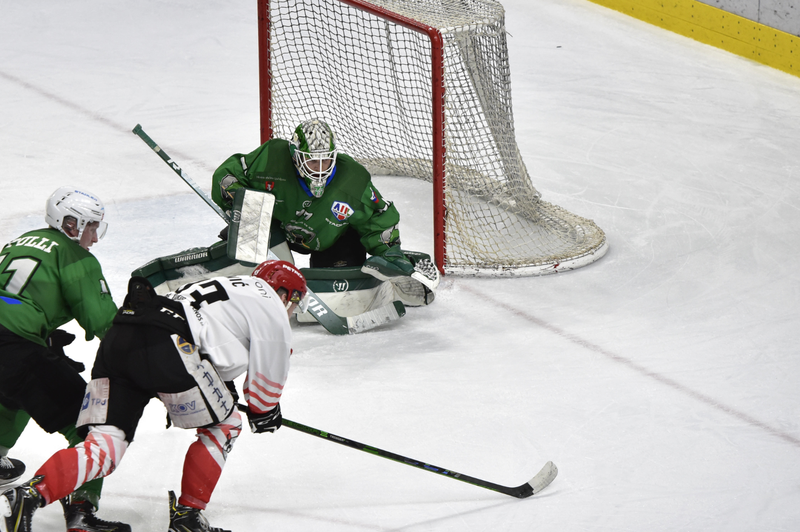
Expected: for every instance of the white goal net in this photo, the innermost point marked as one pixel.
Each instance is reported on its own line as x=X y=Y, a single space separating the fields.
x=422 y=88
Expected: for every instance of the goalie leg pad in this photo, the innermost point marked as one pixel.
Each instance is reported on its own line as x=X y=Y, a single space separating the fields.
x=166 y=274
x=347 y=291
x=420 y=288
x=412 y=292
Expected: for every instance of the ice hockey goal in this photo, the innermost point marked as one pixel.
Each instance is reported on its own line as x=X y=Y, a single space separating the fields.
x=422 y=88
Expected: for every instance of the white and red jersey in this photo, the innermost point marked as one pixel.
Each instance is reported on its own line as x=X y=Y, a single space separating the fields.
x=241 y=325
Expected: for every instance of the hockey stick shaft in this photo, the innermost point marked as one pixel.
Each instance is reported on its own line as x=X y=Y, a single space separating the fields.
x=178 y=170
x=535 y=485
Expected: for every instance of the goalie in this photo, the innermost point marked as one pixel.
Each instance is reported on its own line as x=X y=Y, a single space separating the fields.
x=326 y=206
x=304 y=196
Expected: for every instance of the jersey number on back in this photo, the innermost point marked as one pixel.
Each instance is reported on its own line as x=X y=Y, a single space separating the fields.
x=212 y=291
x=22 y=269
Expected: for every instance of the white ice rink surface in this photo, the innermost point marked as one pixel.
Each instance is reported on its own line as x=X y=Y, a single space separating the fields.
x=662 y=380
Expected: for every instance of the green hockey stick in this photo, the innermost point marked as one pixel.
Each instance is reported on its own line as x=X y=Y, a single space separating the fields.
x=539 y=482
x=332 y=322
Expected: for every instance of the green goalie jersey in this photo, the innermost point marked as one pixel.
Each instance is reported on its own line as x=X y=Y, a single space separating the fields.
x=46 y=280
x=350 y=198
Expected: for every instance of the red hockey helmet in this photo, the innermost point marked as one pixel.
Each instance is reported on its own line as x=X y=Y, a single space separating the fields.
x=280 y=274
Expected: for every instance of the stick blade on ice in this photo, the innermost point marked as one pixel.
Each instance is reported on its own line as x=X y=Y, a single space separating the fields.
x=543 y=478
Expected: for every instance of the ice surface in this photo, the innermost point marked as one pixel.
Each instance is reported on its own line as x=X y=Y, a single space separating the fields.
x=662 y=380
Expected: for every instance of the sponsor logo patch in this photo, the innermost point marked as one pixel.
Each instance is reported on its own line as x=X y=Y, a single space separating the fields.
x=341 y=210
x=183 y=408
x=184 y=346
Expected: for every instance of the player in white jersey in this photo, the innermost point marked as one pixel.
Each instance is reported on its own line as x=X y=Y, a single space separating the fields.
x=185 y=348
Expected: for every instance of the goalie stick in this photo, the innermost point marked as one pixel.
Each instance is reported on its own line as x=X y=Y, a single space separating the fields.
x=540 y=481
x=331 y=321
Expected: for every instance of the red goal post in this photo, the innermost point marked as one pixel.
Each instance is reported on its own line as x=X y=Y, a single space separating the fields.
x=422 y=88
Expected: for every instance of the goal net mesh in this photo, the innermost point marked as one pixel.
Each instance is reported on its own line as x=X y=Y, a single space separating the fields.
x=371 y=79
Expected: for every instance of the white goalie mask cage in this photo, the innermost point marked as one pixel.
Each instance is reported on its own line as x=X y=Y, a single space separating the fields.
x=80 y=205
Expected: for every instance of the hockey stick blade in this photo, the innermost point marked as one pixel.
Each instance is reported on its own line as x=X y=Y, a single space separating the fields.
x=539 y=482
x=375 y=318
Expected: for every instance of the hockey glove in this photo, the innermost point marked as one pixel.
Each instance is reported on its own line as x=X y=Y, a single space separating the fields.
x=267 y=422
x=393 y=263
x=56 y=342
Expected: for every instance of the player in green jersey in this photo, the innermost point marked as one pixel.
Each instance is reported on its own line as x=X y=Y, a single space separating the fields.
x=48 y=277
x=325 y=202
x=325 y=205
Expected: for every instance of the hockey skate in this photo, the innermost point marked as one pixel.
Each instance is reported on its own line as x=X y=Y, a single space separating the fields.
x=18 y=505
x=186 y=519
x=11 y=470
x=80 y=517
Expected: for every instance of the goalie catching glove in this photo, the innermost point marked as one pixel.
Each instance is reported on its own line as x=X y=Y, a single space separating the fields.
x=395 y=264
x=266 y=422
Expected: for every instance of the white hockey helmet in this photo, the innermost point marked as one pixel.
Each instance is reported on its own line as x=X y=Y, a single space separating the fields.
x=313 y=148
x=70 y=208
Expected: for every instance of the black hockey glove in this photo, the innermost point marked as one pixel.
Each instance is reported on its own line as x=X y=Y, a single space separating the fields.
x=56 y=342
x=269 y=422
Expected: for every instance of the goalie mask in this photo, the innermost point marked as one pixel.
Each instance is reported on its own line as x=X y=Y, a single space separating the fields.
x=282 y=275
x=71 y=210
x=313 y=148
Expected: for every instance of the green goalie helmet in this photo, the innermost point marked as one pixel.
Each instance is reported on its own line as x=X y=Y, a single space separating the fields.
x=313 y=148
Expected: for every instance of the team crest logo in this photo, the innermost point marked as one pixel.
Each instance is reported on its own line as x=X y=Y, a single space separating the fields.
x=269 y=186
x=342 y=211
